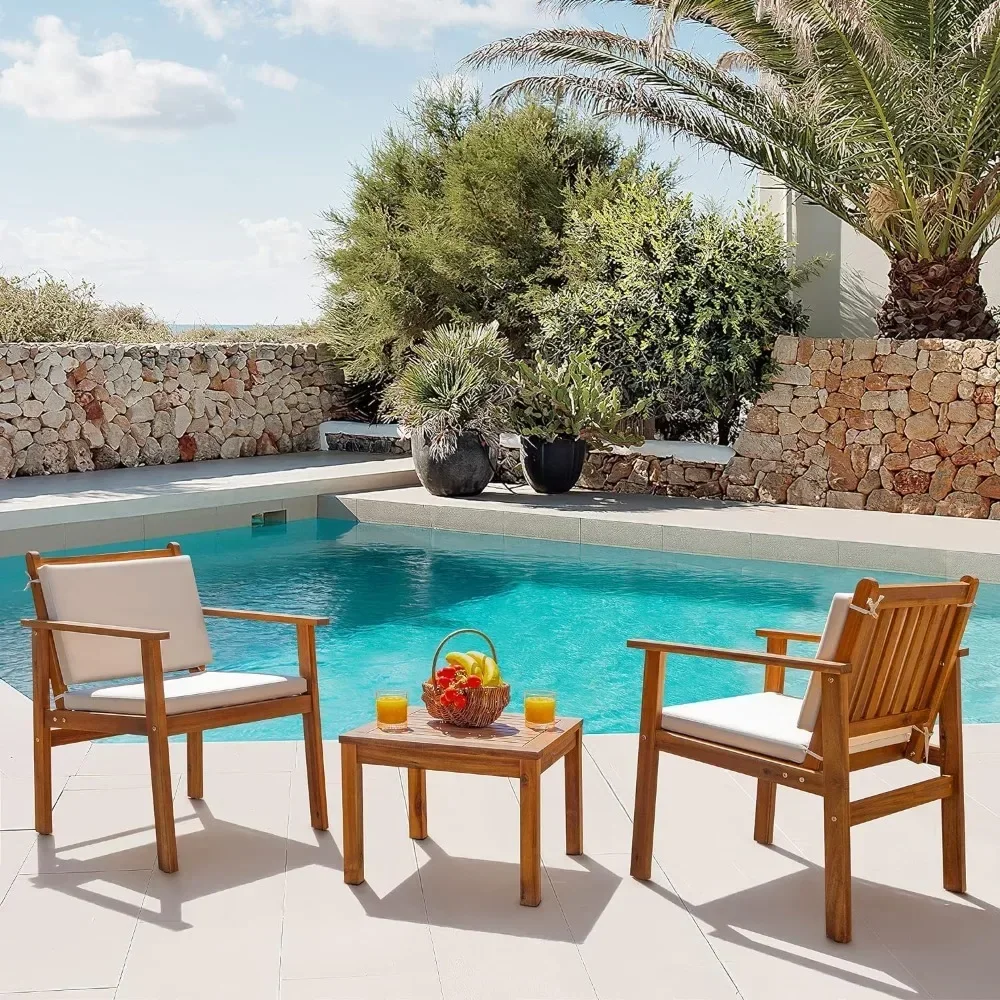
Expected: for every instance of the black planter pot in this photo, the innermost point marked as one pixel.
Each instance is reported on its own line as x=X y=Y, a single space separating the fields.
x=553 y=466
x=464 y=473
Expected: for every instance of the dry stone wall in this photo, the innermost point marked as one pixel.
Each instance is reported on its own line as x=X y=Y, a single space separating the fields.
x=79 y=407
x=903 y=426
x=638 y=473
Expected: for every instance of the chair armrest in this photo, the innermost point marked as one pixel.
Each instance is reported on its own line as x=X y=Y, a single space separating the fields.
x=741 y=656
x=780 y=633
x=116 y=632
x=265 y=616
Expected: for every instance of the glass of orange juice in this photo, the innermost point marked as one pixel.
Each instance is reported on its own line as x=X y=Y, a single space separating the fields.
x=540 y=709
x=390 y=710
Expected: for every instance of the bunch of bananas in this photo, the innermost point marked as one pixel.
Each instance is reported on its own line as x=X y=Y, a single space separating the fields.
x=476 y=664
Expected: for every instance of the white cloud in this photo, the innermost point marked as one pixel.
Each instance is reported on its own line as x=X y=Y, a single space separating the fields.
x=403 y=22
x=188 y=271
x=215 y=17
x=274 y=76
x=68 y=243
x=280 y=242
x=51 y=78
x=372 y=22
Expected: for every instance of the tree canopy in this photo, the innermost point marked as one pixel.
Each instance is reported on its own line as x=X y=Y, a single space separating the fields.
x=456 y=218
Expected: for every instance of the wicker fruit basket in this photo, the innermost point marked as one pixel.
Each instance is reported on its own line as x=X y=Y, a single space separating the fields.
x=483 y=705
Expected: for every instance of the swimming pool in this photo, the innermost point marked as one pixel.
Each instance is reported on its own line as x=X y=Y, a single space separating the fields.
x=559 y=613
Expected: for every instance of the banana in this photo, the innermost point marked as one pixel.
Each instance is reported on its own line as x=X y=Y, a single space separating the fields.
x=478 y=661
x=491 y=672
x=462 y=660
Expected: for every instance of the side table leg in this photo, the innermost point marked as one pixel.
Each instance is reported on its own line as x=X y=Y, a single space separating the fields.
x=354 y=827
x=573 y=763
x=531 y=833
x=416 y=778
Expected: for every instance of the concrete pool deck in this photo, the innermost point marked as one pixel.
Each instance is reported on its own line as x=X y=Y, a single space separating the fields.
x=260 y=911
x=864 y=540
x=121 y=505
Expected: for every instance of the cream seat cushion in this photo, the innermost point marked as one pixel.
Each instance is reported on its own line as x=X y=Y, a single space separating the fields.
x=766 y=723
x=190 y=693
x=776 y=725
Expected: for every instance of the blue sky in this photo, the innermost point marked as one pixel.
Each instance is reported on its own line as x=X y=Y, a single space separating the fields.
x=178 y=152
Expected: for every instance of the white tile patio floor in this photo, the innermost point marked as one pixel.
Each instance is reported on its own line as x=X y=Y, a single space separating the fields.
x=259 y=908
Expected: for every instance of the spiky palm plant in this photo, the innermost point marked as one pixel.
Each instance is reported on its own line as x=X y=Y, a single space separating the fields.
x=456 y=381
x=884 y=112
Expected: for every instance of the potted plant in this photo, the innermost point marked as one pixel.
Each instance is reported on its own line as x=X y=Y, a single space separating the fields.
x=451 y=397
x=560 y=411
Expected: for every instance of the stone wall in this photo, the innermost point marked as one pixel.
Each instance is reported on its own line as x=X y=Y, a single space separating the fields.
x=78 y=407
x=885 y=425
x=664 y=476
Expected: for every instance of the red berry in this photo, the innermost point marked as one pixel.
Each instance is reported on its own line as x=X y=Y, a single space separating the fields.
x=474 y=682
x=460 y=701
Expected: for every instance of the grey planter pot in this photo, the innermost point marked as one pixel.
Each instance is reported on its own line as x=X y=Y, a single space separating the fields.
x=465 y=473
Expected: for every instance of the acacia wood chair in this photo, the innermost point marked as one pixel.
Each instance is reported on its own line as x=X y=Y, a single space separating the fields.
x=887 y=666
x=138 y=614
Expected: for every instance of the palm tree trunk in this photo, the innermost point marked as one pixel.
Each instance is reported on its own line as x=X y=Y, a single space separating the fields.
x=936 y=298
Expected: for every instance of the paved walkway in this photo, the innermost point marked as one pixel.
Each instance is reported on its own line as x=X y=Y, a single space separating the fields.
x=259 y=908
x=866 y=540
x=96 y=508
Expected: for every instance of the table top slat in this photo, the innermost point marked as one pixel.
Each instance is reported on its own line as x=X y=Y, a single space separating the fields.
x=508 y=736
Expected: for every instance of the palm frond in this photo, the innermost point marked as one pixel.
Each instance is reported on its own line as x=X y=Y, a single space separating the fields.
x=886 y=112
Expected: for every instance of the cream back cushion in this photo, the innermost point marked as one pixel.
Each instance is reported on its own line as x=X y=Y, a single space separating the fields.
x=138 y=593
x=827 y=650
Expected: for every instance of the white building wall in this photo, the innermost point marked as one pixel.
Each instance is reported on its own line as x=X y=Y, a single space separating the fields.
x=843 y=299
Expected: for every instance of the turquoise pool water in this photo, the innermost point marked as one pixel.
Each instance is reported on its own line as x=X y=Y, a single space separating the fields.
x=559 y=613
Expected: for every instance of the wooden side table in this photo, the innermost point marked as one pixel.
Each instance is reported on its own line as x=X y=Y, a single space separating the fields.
x=507 y=749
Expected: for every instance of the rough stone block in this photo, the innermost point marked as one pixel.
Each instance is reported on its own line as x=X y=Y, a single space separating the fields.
x=970 y=505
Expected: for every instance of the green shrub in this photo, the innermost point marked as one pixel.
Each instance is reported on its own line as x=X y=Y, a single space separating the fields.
x=454 y=220
x=679 y=306
x=568 y=399
x=41 y=309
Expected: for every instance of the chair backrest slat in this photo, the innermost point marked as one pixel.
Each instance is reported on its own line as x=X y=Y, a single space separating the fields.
x=863 y=675
x=924 y=633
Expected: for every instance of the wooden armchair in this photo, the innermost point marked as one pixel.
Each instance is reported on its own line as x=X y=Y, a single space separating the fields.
x=887 y=666
x=138 y=615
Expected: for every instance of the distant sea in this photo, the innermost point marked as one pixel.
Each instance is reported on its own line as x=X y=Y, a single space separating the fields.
x=184 y=327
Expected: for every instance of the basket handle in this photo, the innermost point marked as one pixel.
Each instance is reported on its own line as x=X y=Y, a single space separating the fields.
x=451 y=635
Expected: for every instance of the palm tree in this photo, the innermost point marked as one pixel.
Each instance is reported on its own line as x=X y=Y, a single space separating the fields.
x=885 y=112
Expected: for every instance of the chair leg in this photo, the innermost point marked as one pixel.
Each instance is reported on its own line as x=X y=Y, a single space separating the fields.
x=836 y=806
x=645 y=813
x=315 y=770
x=647 y=766
x=163 y=799
x=43 y=778
x=837 y=843
x=953 y=807
x=763 y=824
x=42 y=739
x=195 y=765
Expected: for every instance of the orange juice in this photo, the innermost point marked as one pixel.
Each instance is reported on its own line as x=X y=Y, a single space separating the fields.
x=390 y=710
x=539 y=709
